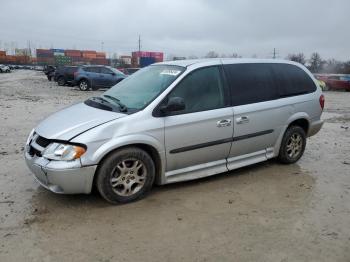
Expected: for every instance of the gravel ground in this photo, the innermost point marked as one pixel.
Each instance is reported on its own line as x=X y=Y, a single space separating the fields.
x=266 y=212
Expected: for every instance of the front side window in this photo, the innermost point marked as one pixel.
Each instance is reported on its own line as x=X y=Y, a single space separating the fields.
x=201 y=90
x=141 y=88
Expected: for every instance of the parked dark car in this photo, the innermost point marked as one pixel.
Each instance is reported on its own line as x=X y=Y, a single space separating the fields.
x=130 y=71
x=95 y=77
x=49 y=71
x=65 y=75
x=338 y=82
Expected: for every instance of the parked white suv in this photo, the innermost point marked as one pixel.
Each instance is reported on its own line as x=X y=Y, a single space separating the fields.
x=177 y=121
x=4 y=69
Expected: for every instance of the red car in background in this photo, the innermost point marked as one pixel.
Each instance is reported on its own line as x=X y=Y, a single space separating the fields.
x=337 y=82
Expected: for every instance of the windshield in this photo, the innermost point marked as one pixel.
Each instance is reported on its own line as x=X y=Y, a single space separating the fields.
x=141 y=88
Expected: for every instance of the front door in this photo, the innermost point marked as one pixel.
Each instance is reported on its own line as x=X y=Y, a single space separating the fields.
x=106 y=77
x=198 y=139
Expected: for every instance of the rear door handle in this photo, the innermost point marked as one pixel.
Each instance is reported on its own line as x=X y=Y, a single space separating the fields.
x=242 y=120
x=223 y=123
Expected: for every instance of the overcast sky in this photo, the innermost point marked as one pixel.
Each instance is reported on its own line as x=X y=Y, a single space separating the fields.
x=181 y=27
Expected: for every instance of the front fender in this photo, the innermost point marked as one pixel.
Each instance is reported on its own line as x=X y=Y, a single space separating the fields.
x=133 y=139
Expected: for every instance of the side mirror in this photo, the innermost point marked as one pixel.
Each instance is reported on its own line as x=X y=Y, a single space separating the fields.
x=174 y=104
x=113 y=74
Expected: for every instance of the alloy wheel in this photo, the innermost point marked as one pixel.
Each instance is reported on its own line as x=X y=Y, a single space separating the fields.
x=128 y=177
x=294 y=145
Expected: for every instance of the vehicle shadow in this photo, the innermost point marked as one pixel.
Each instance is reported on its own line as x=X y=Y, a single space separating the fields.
x=216 y=183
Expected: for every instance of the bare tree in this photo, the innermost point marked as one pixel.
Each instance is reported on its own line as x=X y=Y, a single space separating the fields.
x=316 y=62
x=299 y=58
x=212 y=54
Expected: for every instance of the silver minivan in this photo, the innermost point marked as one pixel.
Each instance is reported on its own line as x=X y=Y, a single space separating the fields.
x=177 y=121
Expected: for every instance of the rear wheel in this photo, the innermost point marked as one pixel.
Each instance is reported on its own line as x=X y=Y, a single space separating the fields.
x=125 y=175
x=293 y=145
x=61 y=81
x=84 y=85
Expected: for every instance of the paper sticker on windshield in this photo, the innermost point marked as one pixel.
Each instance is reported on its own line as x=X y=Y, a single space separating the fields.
x=170 y=72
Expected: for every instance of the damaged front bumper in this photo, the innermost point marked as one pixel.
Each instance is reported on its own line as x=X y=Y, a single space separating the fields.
x=63 y=177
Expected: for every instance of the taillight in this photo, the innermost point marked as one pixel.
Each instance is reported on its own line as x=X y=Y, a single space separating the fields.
x=322 y=100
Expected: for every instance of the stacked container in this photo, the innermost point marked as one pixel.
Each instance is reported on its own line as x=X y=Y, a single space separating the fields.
x=158 y=56
x=89 y=54
x=63 y=60
x=45 y=56
x=58 y=52
x=101 y=55
x=72 y=53
x=142 y=58
x=2 y=53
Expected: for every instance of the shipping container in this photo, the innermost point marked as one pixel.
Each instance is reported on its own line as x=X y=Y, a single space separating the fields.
x=57 y=50
x=89 y=55
x=146 y=61
x=101 y=54
x=2 y=53
x=88 y=52
x=100 y=61
x=44 y=51
x=45 y=60
x=72 y=53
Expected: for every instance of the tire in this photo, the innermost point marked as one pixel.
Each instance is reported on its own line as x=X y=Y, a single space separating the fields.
x=293 y=145
x=84 y=85
x=94 y=88
x=61 y=81
x=132 y=171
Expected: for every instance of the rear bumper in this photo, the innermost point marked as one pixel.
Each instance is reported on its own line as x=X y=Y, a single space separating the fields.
x=315 y=127
x=61 y=177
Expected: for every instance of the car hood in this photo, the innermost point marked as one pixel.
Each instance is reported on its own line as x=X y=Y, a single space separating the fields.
x=74 y=120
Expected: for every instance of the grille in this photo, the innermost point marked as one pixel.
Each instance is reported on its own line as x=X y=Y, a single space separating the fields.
x=42 y=141
x=33 y=151
x=37 y=140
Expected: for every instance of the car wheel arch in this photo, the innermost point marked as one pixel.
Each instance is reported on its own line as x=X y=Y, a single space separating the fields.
x=151 y=150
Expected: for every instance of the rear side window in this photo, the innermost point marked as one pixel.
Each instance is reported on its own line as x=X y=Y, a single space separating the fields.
x=251 y=83
x=292 y=80
x=105 y=70
x=92 y=69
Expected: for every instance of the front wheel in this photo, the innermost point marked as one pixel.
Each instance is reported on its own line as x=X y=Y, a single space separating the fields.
x=293 y=145
x=84 y=85
x=61 y=81
x=125 y=175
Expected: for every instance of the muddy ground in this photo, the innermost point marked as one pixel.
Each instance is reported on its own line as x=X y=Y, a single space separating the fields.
x=266 y=212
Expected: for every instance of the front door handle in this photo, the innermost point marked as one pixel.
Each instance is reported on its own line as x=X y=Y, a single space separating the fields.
x=223 y=123
x=242 y=120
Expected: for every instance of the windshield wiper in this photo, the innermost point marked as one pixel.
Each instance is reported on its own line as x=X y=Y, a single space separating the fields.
x=123 y=108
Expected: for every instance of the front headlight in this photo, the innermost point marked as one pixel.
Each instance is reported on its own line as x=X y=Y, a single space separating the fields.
x=63 y=152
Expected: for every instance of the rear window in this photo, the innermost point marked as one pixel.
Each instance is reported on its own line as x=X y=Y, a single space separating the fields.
x=292 y=80
x=251 y=83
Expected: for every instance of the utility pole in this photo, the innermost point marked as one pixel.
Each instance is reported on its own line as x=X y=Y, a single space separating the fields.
x=102 y=43
x=139 y=43
x=274 y=53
